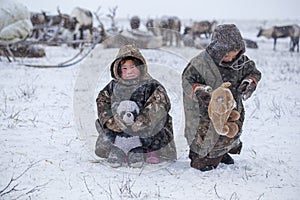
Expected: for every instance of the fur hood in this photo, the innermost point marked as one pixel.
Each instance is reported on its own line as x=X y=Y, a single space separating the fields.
x=129 y=51
x=225 y=38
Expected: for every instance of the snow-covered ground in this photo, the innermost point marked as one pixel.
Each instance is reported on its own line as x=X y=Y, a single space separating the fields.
x=48 y=135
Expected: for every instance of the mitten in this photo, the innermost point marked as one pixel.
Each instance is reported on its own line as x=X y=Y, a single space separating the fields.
x=121 y=124
x=246 y=88
x=202 y=94
x=113 y=125
x=137 y=126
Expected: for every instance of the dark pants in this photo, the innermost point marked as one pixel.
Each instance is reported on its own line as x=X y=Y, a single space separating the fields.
x=200 y=163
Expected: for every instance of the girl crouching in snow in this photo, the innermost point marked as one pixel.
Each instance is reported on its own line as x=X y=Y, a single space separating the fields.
x=133 y=122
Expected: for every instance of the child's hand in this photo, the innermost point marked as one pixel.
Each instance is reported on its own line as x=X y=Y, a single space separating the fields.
x=137 y=126
x=246 y=88
x=112 y=125
x=202 y=94
x=120 y=123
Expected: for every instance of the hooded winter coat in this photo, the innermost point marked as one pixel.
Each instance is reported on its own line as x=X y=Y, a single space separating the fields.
x=153 y=124
x=207 y=68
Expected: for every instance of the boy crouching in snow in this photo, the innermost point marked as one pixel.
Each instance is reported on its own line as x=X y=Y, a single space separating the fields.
x=222 y=61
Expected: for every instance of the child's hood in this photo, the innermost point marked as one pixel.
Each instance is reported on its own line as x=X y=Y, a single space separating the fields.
x=128 y=51
x=225 y=38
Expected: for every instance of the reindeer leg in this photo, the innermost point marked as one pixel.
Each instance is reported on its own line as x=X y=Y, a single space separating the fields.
x=9 y=53
x=81 y=34
x=292 y=44
x=178 y=39
x=274 y=47
x=74 y=40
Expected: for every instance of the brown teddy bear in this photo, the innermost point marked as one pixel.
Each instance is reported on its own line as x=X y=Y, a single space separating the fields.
x=221 y=113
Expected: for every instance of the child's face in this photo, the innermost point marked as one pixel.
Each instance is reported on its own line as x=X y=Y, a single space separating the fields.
x=231 y=55
x=129 y=70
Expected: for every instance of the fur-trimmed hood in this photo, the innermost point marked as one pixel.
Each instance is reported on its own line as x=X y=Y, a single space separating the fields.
x=129 y=51
x=225 y=38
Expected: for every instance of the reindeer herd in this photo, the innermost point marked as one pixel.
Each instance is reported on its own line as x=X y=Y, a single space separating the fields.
x=167 y=27
x=164 y=31
x=77 y=22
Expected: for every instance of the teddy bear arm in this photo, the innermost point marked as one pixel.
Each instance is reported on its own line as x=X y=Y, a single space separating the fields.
x=233 y=129
x=234 y=115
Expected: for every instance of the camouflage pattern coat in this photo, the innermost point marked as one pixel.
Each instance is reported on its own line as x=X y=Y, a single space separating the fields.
x=207 y=68
x=153 y=124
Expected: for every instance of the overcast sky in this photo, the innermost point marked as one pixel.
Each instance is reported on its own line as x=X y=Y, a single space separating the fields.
x=185 y=9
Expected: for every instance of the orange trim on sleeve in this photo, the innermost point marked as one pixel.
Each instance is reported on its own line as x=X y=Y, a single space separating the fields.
x=193 y=89
x=253 y=79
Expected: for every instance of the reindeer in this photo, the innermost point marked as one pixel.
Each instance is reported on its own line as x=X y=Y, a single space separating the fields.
x=135 y=22
x=174 y=24
x=80 y=20
x=42 y=22
x=58 y=20
x=39 y=22
x=167 y=27
x=203 y=27
x=292 y=31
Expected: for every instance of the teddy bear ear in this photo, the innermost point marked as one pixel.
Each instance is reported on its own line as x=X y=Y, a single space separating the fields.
x=226 y=84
